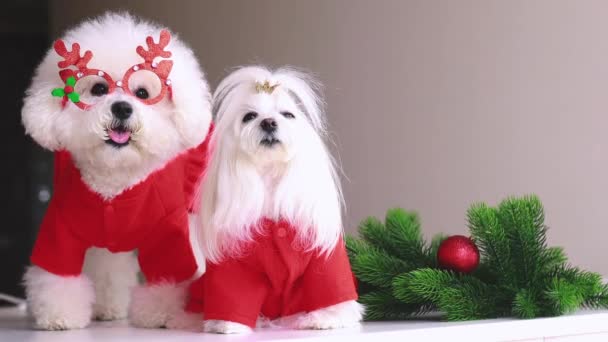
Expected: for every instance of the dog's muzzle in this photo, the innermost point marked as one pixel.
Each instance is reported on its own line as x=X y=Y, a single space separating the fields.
x=269 y=141
x=119 y=133
x=269 y=126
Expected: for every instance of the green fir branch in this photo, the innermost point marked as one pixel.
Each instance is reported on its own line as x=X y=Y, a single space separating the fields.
x=403 y=230
x=526 y=304
x=519 y=275
x=492 y=241
x=378 y=268
x=381 y=305
x=523 y=220
x=564 y=296
x=423 y=284
x=431 y=250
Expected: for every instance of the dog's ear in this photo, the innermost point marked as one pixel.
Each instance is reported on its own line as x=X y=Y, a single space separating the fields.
x=306 y=91
x=238 y=77
x=190 y=95
x=41 y=110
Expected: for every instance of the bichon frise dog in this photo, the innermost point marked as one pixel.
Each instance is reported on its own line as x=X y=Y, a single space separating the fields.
x=126 y=108
x=270 y=220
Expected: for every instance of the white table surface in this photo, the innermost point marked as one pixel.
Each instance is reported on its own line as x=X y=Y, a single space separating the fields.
x=583 y=326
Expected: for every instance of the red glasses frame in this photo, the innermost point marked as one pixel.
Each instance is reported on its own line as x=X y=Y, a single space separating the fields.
x=162 y=69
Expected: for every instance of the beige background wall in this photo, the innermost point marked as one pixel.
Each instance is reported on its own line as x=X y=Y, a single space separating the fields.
x=434 y=104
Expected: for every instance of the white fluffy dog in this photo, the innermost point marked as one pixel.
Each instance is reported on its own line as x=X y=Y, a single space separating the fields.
x=129 y=101
x=271 y=175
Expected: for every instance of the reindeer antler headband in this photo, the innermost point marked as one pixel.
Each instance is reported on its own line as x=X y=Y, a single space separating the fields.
x=71 y=76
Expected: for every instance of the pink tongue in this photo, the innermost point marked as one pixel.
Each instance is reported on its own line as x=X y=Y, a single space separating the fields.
x=119 y=137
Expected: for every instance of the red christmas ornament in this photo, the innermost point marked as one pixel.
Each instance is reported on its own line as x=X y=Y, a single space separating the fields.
x=458 y=253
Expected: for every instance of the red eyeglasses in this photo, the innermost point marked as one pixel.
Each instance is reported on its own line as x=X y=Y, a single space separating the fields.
x=148 y=81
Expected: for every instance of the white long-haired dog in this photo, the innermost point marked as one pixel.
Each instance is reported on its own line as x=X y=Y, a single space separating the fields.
x=270 y=174
x=121 y=101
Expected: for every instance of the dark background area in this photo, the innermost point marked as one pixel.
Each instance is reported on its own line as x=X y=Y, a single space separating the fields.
x=27 y=169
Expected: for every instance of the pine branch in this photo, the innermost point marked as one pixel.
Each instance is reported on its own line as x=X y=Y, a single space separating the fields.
x=401 y=237
x=431 y=250
x=403 y=229
x=381 y=305
x=526 y=304
x=373 y=232
x=523 y=221
x=564 y=296
x=598 y=300
x=552 y=259
x=471 y=299
x=486 y=274
x=423 y=284
x=355 y=246
x=492 y=241
x=378 y=268
x=590 y=283
x=459 y=306
x=519 y=275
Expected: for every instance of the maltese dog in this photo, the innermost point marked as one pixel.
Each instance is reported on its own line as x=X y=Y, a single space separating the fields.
x=126 y=108
x=270 y=221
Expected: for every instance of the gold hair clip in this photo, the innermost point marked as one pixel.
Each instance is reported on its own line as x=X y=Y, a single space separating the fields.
x=265 y=87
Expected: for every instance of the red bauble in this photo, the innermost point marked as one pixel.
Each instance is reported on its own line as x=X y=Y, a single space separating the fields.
x=458 y=253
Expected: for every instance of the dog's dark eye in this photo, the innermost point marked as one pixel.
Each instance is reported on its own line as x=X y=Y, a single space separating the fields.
x=99 y=89
x=288 y=115
x=142 y=93
x=249 y=116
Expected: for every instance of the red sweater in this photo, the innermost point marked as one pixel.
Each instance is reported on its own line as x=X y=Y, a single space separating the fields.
x=275 y=278
x=151 y=217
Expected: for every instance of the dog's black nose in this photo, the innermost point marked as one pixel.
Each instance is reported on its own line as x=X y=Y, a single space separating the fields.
x=122 y=110
x=269 y=125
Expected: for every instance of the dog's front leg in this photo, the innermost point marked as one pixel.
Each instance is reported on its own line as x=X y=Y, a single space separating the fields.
x=114 y=275
x=168 y=263
x=57 y=302
x=343 y=315
x=156 y=305
x=162 y=305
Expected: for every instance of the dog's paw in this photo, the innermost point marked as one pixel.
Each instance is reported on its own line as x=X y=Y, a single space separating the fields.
x=58 y=303
x=186 y=321
x=343 y=315
x=60 y=322
x=153 y=305
x=264 y=322
x=225 y=327
x=109 y=311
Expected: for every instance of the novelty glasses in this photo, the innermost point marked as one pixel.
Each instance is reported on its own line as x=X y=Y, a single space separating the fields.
x=148 y=81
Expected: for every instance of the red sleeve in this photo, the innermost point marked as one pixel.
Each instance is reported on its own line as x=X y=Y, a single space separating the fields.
x=329 y=278
x=234 y=291
x=166 y=254
x=195 y=295
x=57 y=250
x=195 y=165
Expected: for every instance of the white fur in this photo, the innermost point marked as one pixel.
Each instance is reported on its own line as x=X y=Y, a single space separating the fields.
x=293 y=180
x=225 y=327
x=184 y=320
x=156 y=305
x=196 y=250
x=245 y=181
x=58 y=303
x=113 y=276
x=160 y=132
x=343 y=315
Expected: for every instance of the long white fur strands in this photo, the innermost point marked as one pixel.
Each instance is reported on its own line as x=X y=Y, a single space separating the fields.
x=244 y=182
